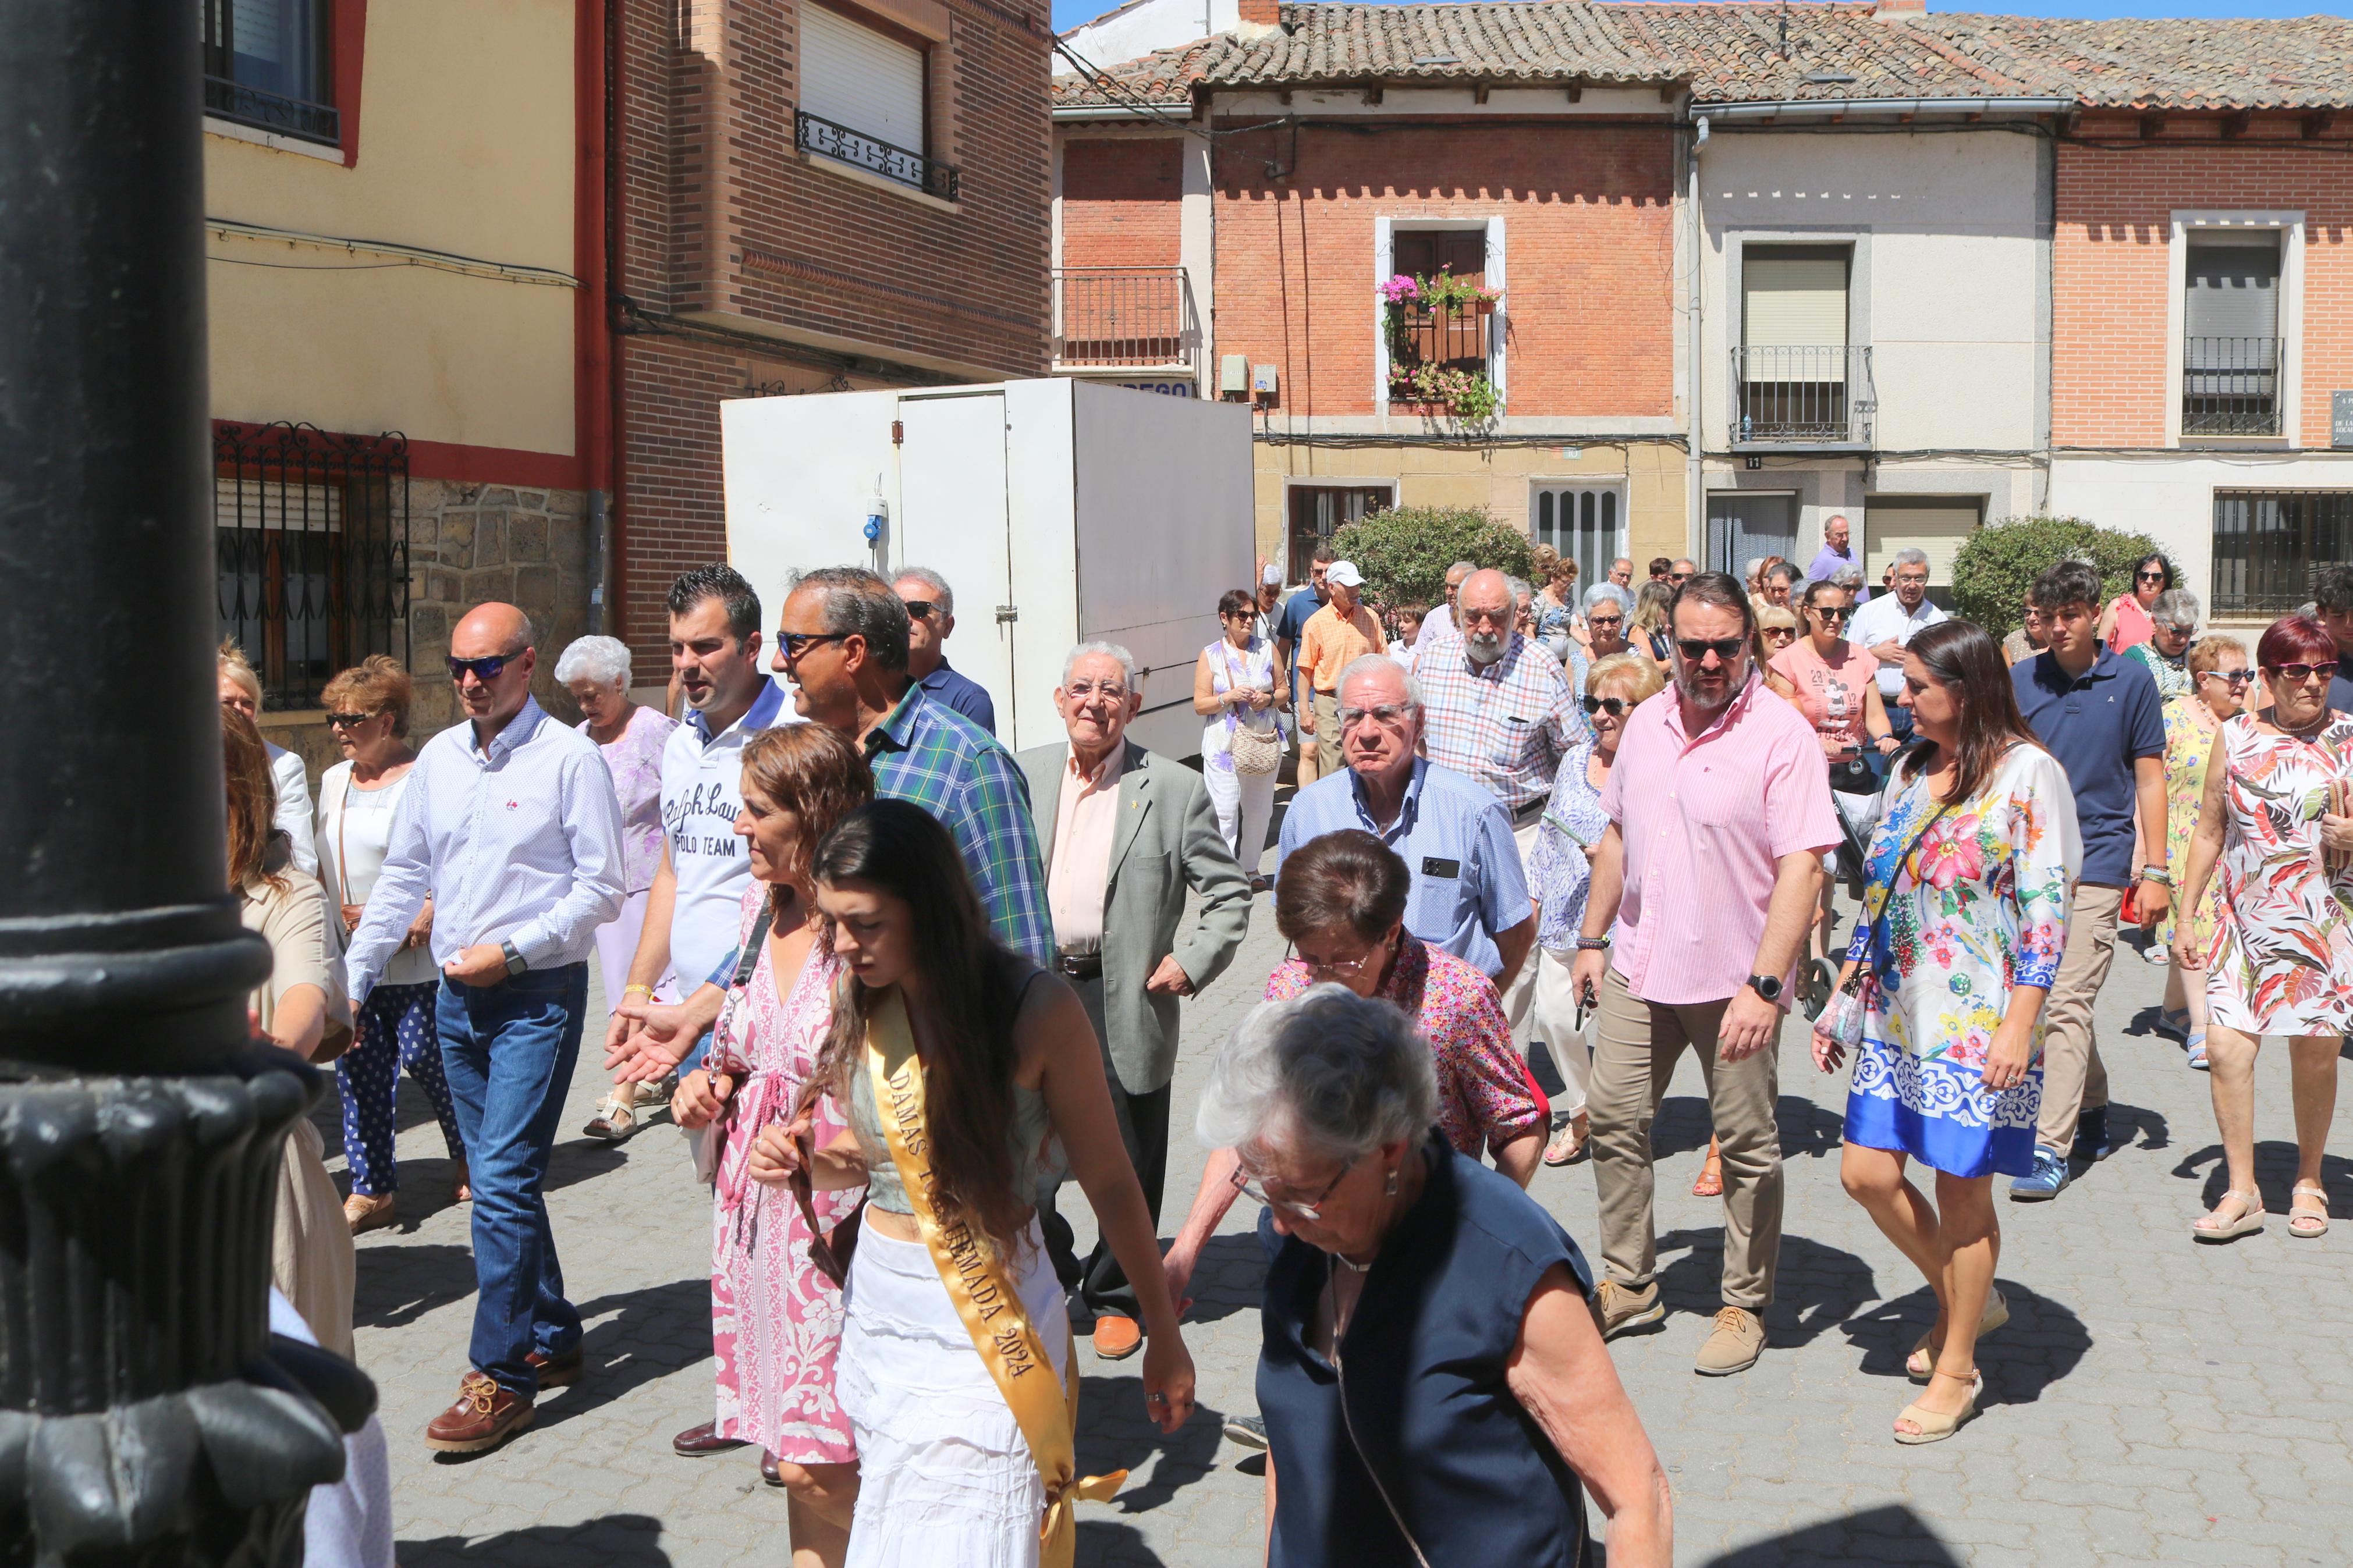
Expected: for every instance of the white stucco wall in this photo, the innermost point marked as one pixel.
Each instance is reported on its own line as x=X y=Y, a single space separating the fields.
x=1947 y=270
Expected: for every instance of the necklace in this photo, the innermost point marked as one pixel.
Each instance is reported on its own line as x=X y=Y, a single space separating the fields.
x=1350 y=1264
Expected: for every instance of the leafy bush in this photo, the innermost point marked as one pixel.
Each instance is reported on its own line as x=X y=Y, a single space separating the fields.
x=1404 y=553
x=2000 y=561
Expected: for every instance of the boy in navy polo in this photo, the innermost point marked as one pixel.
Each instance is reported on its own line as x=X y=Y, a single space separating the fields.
x=2101 y=716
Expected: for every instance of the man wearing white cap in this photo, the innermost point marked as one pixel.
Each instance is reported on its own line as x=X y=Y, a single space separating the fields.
x=1336 y=636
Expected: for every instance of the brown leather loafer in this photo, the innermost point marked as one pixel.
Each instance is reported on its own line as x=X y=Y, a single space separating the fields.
x=702 y=1442
x=1117 y=1338
x=557 y=1372
x=484 y=1416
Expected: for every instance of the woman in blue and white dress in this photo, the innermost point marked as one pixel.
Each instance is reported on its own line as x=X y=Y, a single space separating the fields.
x=1238 y=683
x=1964 y=922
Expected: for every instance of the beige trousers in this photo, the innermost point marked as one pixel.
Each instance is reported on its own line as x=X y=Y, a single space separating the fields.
x=1521 y=996
x=2074 y=1079
x=1636 y=1048
x=1328 y=733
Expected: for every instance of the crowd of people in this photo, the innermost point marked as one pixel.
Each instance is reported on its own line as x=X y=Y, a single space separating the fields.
x=901 y=984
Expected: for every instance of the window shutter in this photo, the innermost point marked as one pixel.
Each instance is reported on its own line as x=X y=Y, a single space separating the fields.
x=1936 y=526
x=1793 y=297
x=2233 y=286
x=858 y=78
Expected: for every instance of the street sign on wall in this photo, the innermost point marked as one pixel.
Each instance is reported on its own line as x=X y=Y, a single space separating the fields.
x=2340 y=419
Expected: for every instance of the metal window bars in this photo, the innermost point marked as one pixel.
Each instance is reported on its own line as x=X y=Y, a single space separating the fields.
x=1816 y=394
x=812 y=134
x=1449 y=339
x=1123 y=316
x=2230 y=386
x=294 y=116
x=2267 y=544
x=311 y=544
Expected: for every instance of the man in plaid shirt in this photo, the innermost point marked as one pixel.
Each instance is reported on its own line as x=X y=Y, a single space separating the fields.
x=842 y=639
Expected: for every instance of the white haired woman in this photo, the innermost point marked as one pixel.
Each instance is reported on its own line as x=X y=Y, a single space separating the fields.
x=1445 y=1297
x=596 y=670
x=240 y=687
x=2172 y=626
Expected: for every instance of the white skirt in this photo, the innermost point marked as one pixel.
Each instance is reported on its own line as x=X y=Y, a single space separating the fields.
x=945 y=1477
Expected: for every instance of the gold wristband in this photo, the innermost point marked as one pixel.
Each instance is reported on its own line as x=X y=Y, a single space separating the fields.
x=636 y=987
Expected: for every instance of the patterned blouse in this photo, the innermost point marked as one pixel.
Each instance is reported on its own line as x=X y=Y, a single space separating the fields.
x=1484 y=1097
x=634 y=759
x=1559 y=876
x=2172 y=675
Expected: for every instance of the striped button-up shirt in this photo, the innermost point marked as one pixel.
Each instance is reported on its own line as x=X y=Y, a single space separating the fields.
x=1706 y=819
x=928 y=753
x=1507 y=724
x=518 y=841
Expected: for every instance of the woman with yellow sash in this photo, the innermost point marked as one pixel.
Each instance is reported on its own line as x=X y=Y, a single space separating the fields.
x=955 y=1062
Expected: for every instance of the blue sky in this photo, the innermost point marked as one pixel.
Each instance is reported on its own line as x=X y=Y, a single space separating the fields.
x=1070 y=13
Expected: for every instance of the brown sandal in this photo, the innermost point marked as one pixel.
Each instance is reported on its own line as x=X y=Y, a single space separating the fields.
x=1711 y=1175
x=365 y=1212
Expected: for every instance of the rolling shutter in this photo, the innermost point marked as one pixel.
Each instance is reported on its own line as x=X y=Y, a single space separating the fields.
x=862 y=79
x=1793 y=313
x=1937 y=525
x=2232 y=283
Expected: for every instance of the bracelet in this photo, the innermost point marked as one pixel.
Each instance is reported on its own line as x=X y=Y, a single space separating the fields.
x=636 y=985
x=2156 y=874
x=1592 y=945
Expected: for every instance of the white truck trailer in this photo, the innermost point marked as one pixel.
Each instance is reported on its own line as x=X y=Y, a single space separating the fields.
x=1059 y=511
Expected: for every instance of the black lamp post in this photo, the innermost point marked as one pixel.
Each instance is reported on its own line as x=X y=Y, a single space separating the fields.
x=146 y=1414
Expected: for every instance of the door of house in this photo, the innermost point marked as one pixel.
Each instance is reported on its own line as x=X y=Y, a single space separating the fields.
x=1744 y=526
x=1581 y=522
x=954 y=520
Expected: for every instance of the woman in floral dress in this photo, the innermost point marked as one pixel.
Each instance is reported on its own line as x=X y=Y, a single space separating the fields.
x=2219 y=678
x=1967 y=886
x=776 y=1322
x=2281 y=962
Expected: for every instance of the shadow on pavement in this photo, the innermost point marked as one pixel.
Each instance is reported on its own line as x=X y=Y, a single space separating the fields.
x=1115 y=1434
x=2041 y=1343
x=653 y=1334
x=1816 y=1286
x=619 y=1540
x=396 y=1284
x=1893 y=1533
x=2275 y=1178
x=1228 y=1279
x=2128 y=1124
x=1111 y=1545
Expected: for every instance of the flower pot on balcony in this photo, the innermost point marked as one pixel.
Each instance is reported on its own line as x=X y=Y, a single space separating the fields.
x=1484 y=307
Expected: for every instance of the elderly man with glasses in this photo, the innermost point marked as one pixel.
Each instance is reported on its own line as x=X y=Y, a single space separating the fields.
x=1126 y=833
x=511 y=827
x=931 y=619
x=1883 y=626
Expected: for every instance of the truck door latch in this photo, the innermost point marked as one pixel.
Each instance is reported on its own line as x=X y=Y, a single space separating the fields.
x=1008 y=613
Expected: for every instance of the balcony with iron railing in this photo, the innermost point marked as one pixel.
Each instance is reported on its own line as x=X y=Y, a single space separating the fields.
x=2231 y=386
x=273 y=111
x=813 y=134
x=1111 y=317
x=1817 y=395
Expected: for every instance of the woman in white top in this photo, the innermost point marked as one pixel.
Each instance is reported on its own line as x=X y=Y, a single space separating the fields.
x=240 y=688
x=1236 y=682
x=368 y=709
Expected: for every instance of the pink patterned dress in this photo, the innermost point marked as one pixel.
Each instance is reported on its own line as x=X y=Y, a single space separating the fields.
x=2281 y=962
x=776 y=1322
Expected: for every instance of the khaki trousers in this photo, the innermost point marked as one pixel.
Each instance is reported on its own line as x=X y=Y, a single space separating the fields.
x=2074 y=1079
x=1521 y=996
x=1636 y=1050
x=1328 y=733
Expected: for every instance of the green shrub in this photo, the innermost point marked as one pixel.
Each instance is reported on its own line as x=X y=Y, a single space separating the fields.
x=1404 y=553
x=2000 y=561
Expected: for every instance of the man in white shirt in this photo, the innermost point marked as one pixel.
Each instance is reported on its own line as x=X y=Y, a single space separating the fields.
x=510 y=826
x=1891 y=620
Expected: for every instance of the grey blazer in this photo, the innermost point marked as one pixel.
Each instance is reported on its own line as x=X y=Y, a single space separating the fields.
x=1167 y=841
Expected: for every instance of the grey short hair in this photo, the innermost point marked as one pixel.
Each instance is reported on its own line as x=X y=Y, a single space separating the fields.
x=1607 y=592
x=1463 y=566
x=1379 y=664
x=1126 y=661
x=942 y=594
x=604 y=660
x=1328 y=1071
x=1908 y=556
x=1849 y=577
x=1519 y=587
x=1755 y=564
x=2176 y=608
x=852 y=600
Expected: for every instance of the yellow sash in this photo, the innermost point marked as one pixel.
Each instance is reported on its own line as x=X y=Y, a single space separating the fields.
x=985 y=1298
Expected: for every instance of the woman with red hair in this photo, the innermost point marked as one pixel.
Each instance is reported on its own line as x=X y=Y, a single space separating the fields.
x=2275 y=815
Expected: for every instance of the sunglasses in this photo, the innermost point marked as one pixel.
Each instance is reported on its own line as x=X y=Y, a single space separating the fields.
x=796 y=644
x=1613 y=706
x=1677 y=576
x=348 y=721
x=2238 y=679
x=1829 y=613
x=2300 y=672
x=1787 y=633
x=921 y=609
x=1605 y=623
x=484 y=669
x=1694 y=650
x=2149 y=576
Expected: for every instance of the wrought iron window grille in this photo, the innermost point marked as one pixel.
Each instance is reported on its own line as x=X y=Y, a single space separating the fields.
x=226 y=100
x=311 y=539
x=1807 y=393
x=823 y=137
x=2268 y=544
x=2230 y=386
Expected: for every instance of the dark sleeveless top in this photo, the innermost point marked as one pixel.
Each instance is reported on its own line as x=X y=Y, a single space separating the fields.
x=1423 y=1446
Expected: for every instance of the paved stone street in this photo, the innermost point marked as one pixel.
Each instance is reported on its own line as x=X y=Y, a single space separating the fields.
x=2151 y=1400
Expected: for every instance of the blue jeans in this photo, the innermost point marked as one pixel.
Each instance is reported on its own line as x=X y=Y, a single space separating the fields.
x=1899 y=721
x=508 y=1052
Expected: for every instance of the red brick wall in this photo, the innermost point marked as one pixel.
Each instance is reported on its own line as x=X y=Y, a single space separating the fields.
x=2112 y=269
x=1121 y=202
x=1588 y=247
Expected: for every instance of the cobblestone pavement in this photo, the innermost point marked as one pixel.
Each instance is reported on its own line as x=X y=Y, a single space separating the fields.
x=2151 y=1400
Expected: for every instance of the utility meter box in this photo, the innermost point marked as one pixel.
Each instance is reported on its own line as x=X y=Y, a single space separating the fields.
x=1059 y=511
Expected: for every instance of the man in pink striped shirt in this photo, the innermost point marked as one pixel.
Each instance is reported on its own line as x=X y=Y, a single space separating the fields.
x=1719 y=807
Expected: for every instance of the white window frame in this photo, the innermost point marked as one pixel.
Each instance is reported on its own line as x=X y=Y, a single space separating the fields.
x=1385 y=228
x=2289 y=225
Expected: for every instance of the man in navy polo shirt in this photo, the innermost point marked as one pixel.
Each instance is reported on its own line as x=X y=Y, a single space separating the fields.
x=931 y=619
x=2332 y=601
x=2100 y=715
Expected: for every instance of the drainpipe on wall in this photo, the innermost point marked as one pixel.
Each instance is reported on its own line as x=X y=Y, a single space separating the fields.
x=1694 y=493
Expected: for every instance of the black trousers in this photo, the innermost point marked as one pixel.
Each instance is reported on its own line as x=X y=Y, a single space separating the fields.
x=1142 y=1119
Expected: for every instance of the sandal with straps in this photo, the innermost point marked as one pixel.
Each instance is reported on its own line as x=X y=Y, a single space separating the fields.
x=2307 y=1211
x=2249 y=1220
x=1936 y=1425
x=1920 y=1366
x=1571 y=1142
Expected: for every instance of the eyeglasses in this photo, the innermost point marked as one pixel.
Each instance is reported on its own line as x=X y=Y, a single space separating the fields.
x=1694 y=650
x=2302 y=672
x=1914 y=578
x=921 y=609
x=1309 y=1209
x=1613 y=706
x=796 y=644
x=1829 y=612
x=348 y=721
x=2238 y=679
x=484 y=669
x=1343 y=968
x=1079 y=691
x=1387 y=715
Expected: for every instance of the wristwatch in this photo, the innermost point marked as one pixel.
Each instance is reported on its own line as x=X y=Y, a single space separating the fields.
x=515 y=966
x=1766 y=985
